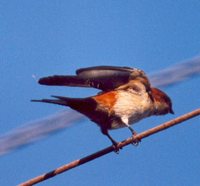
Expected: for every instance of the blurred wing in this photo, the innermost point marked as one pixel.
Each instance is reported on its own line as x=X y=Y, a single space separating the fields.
x=101 y=77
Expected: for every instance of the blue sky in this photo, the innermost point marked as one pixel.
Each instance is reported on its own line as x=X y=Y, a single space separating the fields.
x=40 y=38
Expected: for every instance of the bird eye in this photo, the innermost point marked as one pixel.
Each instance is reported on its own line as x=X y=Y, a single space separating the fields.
x=134 y=89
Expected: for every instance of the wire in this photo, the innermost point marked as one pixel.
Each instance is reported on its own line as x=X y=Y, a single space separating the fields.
x=110 y=149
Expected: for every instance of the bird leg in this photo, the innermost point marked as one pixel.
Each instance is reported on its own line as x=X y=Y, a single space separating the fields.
x=125 y=120
x=134 y=133
x=105 y=132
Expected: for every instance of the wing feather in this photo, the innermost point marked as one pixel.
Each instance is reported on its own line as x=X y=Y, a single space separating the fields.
x=105 y=78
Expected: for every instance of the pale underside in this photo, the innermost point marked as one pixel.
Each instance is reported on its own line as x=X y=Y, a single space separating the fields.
x=131 y=107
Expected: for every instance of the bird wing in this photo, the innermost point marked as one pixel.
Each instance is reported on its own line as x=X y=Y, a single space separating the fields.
x=104 y=78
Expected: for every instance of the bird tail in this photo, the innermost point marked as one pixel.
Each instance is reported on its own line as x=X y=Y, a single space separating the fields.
x=59 y=101
x=85 y=106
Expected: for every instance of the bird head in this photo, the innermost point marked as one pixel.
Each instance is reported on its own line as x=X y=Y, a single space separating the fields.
x=162 y=102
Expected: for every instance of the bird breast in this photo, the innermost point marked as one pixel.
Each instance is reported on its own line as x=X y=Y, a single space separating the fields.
x=132 y=106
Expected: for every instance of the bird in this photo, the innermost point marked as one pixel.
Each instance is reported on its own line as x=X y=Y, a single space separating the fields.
x=126 y=97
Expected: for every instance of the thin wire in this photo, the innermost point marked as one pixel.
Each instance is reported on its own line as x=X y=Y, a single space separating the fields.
x=176 y=73
x=107 y=150
x=36 y=130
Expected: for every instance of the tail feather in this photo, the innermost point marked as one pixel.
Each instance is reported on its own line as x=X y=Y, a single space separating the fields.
x=62 y=98
x=85 y=106
x=53 y=101
x=59 y=101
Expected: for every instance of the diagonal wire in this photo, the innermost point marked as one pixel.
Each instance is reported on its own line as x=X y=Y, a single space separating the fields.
x=35 y=130
x=177 y=73
x=107 y=150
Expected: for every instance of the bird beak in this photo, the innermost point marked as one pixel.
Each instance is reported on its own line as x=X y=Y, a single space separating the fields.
x=171 y=111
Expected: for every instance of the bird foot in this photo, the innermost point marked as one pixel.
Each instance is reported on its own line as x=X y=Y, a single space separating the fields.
x=135 y=142
x=116 y=148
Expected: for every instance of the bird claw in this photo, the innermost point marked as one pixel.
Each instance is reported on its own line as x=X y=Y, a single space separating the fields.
x=135 y=142
x=116 y=148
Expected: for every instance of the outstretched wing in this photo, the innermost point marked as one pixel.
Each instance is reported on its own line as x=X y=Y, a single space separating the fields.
x=101 y=77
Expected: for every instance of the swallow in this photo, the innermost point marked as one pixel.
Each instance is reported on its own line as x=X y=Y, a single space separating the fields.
x=126 y=96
